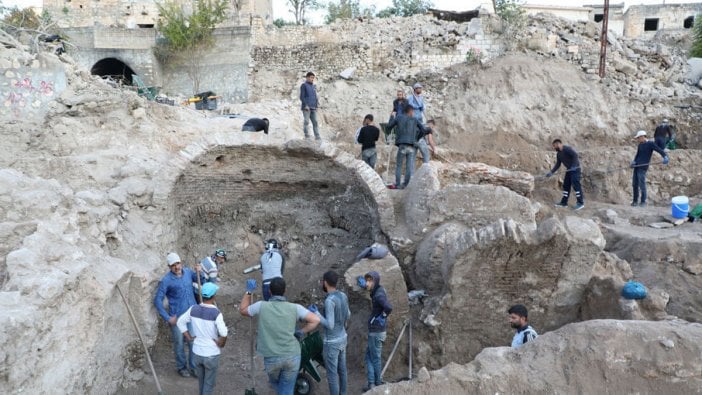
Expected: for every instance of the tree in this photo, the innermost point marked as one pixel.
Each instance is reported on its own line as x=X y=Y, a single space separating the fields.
x=513 y=19
x=186 y=38
x=346 y=9
x=696 y=49
x=406 y=8
x=25 y=25
x=299 y=8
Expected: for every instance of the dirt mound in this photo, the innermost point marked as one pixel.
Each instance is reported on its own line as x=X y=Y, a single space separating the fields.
x=601 y=356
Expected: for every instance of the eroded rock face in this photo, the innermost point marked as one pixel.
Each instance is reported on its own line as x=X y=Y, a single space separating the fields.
x=484 y=271
x=589 y=357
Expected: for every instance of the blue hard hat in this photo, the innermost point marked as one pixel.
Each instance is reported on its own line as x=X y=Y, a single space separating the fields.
x=209 y=290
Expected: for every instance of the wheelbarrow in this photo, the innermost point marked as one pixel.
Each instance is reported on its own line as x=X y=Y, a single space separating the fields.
x=310 y=351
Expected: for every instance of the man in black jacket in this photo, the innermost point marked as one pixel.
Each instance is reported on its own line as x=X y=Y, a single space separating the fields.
x=407 y=129
x=569 y=158
x=367 y=136
x=377 y=324
x=255 y=125
x=663 y=134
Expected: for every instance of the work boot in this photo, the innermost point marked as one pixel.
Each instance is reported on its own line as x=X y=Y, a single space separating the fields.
x=184 y=373
x=579 y=206
x=367 y=387
x=561 y=204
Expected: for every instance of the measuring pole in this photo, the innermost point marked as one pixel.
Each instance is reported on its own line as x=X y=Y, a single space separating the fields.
x=603 y=38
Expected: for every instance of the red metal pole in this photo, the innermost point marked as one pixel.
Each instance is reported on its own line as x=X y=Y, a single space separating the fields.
x=603 y=38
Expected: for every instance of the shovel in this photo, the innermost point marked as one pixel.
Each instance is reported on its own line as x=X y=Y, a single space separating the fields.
x=252 y=390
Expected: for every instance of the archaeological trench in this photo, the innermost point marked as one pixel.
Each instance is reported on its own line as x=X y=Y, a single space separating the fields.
x=98 y=184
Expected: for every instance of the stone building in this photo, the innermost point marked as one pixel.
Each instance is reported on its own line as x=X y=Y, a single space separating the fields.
x=134 y=14
x=646 y=20
x=566 y=12
x=615 y=21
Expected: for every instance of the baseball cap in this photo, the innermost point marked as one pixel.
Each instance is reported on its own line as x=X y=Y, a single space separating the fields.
x=640 y=133
x=172 y=258
x=417 y=85
x=209 y=290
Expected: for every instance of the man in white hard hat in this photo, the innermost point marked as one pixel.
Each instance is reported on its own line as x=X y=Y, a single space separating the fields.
x=640 y=166
x=177 y=286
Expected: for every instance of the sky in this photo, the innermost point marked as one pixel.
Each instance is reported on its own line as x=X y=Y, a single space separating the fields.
x=280 y=9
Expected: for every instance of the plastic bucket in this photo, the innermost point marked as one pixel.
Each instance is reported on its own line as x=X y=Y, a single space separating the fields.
x=680 y=206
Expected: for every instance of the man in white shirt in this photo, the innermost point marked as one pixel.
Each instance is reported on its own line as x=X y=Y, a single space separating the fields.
x=209 y=335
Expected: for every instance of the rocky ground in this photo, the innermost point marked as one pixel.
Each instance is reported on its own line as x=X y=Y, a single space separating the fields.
x=98 y=184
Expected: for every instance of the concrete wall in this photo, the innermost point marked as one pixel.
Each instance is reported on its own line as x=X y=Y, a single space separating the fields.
x=132 y=13
x=616 y=17
x=26 y=91
x=671 y=17
x=569 y=13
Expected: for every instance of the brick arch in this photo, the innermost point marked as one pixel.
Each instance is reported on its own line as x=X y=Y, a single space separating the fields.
x=114 y=67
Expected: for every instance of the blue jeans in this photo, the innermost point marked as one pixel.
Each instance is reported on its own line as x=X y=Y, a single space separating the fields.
x=423 y=147
x=178 y=342
x=374 y=366
x=406 y=152
x=282 y=373
x=370 y=156
x=335 y=364
x=206 y=370
x=266 y=290
x=660 y=142
x=639 y=183
x=310 y=115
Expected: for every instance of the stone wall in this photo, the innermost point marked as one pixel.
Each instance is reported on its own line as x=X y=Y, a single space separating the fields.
x=670 y=17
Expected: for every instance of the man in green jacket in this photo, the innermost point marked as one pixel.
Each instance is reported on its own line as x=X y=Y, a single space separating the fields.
x=277 y=338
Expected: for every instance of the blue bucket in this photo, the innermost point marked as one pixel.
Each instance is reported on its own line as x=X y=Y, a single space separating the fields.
x=680 y=206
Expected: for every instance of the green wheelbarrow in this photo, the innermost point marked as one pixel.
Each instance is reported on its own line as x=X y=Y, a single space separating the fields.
x=311 y=351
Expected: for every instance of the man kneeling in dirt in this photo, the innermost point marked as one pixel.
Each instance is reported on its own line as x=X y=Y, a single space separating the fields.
x=209 y=334
x=256 y=125
x=277 y=338
x=518 y=320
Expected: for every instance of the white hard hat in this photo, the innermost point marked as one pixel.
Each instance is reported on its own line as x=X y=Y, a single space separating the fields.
x=172 y=259
x=640 y=133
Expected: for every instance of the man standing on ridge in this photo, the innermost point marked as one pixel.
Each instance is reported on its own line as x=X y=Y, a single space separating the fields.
x=177 y=286
x=377 y=327
x=518 y=317
x=203 y=325
x=416 y=101
x=408 y=128
x=569 y=158
x=367 y=137
x=640 y=166
x=308 y=99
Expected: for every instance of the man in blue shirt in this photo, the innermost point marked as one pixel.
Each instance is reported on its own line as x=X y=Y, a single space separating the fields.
x=640 y=166
x=518 y=317
x=177 y=286
x=336 y=313
x=569 y=158
x=308 y=99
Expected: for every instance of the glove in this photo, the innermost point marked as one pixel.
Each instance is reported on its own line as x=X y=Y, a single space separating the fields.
x=633 y=164
x=549 y=174
x=666 y=160
x=361 y=282
x=381 y=319
x=250 y=285
x=299 y=334
x=313 y=308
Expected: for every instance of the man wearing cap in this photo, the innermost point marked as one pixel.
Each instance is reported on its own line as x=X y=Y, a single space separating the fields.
x=518 y=317
x=277 y=335
x=204 y=326
x=416 y=101
x=640 y=166
x=308 y=99
x=176 y=285
x=663 y=134
x=377 y=327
